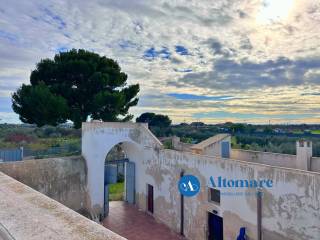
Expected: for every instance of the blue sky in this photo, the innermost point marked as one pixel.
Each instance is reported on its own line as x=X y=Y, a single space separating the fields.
x=213 y=61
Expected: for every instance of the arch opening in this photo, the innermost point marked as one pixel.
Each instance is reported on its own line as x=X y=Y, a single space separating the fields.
x=119 y=175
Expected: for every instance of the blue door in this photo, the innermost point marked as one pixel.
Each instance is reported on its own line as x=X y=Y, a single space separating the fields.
x=110 y=173
x=225 y=149
x=129 y=182
x=106 y=200
x=215 y=227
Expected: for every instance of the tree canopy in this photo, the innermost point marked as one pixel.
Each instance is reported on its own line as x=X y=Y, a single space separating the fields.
x=75 y=85
x=38 y=105
x=156 y=120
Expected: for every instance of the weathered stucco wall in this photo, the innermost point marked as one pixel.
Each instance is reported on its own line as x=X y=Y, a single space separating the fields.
x=269 y=158
x=98 y=138
x=215 y=148
x=315 y=164
x=274 y=159
x=180 y=146
x=62 y=179
x=290 y=208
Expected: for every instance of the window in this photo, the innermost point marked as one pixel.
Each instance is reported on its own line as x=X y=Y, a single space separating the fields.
x=214 y=195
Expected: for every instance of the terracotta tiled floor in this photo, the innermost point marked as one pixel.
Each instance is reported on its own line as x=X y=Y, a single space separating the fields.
x=129 y=222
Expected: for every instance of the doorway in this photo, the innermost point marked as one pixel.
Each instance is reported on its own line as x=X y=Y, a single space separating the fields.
x=150 y=198
x=119 y=178
x=225 y=149
x=215 y=227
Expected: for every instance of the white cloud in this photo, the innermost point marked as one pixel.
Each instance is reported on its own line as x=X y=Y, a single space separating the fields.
x=210 y=30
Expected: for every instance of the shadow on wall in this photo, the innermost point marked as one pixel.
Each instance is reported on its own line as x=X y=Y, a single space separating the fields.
x=62 y=179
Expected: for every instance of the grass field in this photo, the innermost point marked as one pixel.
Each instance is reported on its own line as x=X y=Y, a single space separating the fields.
x=297 y=132
x=302 y=132
x=116 y=191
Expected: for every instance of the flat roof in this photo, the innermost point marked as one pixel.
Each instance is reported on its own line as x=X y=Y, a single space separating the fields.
x=26 y=214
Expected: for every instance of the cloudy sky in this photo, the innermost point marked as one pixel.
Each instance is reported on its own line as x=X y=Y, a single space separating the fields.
x=196 y=60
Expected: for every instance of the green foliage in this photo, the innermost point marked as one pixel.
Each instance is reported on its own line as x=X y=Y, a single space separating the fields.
x=168 y=144
x=41 y=142
x=146 y=118
x=161 y=121
x=266 y=143
x=239 y=127
x=192 y=133
x=116 y=191
x=79 y=83
x=234 y=143
x=120 y=177
x=186 y=140
x=37 y=104
x=159 y=124
x=268 y=130
x=154 y=120
x=243 y=137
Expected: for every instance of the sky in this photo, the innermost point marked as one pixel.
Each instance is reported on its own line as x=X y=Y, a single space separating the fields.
x=249 y=61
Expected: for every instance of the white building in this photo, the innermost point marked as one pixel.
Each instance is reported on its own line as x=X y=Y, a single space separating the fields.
x=286 y=209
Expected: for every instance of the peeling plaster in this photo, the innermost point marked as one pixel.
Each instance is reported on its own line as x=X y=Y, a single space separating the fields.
x=289 y=210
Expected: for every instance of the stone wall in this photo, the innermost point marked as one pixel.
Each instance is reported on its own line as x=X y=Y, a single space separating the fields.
x=62 y=179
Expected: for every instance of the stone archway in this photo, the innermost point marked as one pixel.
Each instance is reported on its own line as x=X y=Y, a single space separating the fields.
x=98 y=138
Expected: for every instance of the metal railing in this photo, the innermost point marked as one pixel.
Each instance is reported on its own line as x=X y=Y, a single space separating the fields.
x=65 y=150
x=11 y=155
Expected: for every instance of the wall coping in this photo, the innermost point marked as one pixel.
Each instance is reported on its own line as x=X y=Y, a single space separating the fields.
x=97 y=125
x=29 y=215
x=260 y=152
x=241 y=162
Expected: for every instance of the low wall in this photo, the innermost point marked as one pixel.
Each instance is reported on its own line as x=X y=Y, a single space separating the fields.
x=62 y=179
x=180 y=146
x=274 y=159
x=26 y=214
x=315 y=164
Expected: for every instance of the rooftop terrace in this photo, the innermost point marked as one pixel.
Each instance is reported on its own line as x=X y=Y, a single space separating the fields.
x=26 y=214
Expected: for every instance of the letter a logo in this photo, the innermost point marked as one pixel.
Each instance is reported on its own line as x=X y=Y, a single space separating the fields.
x=189 y=185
